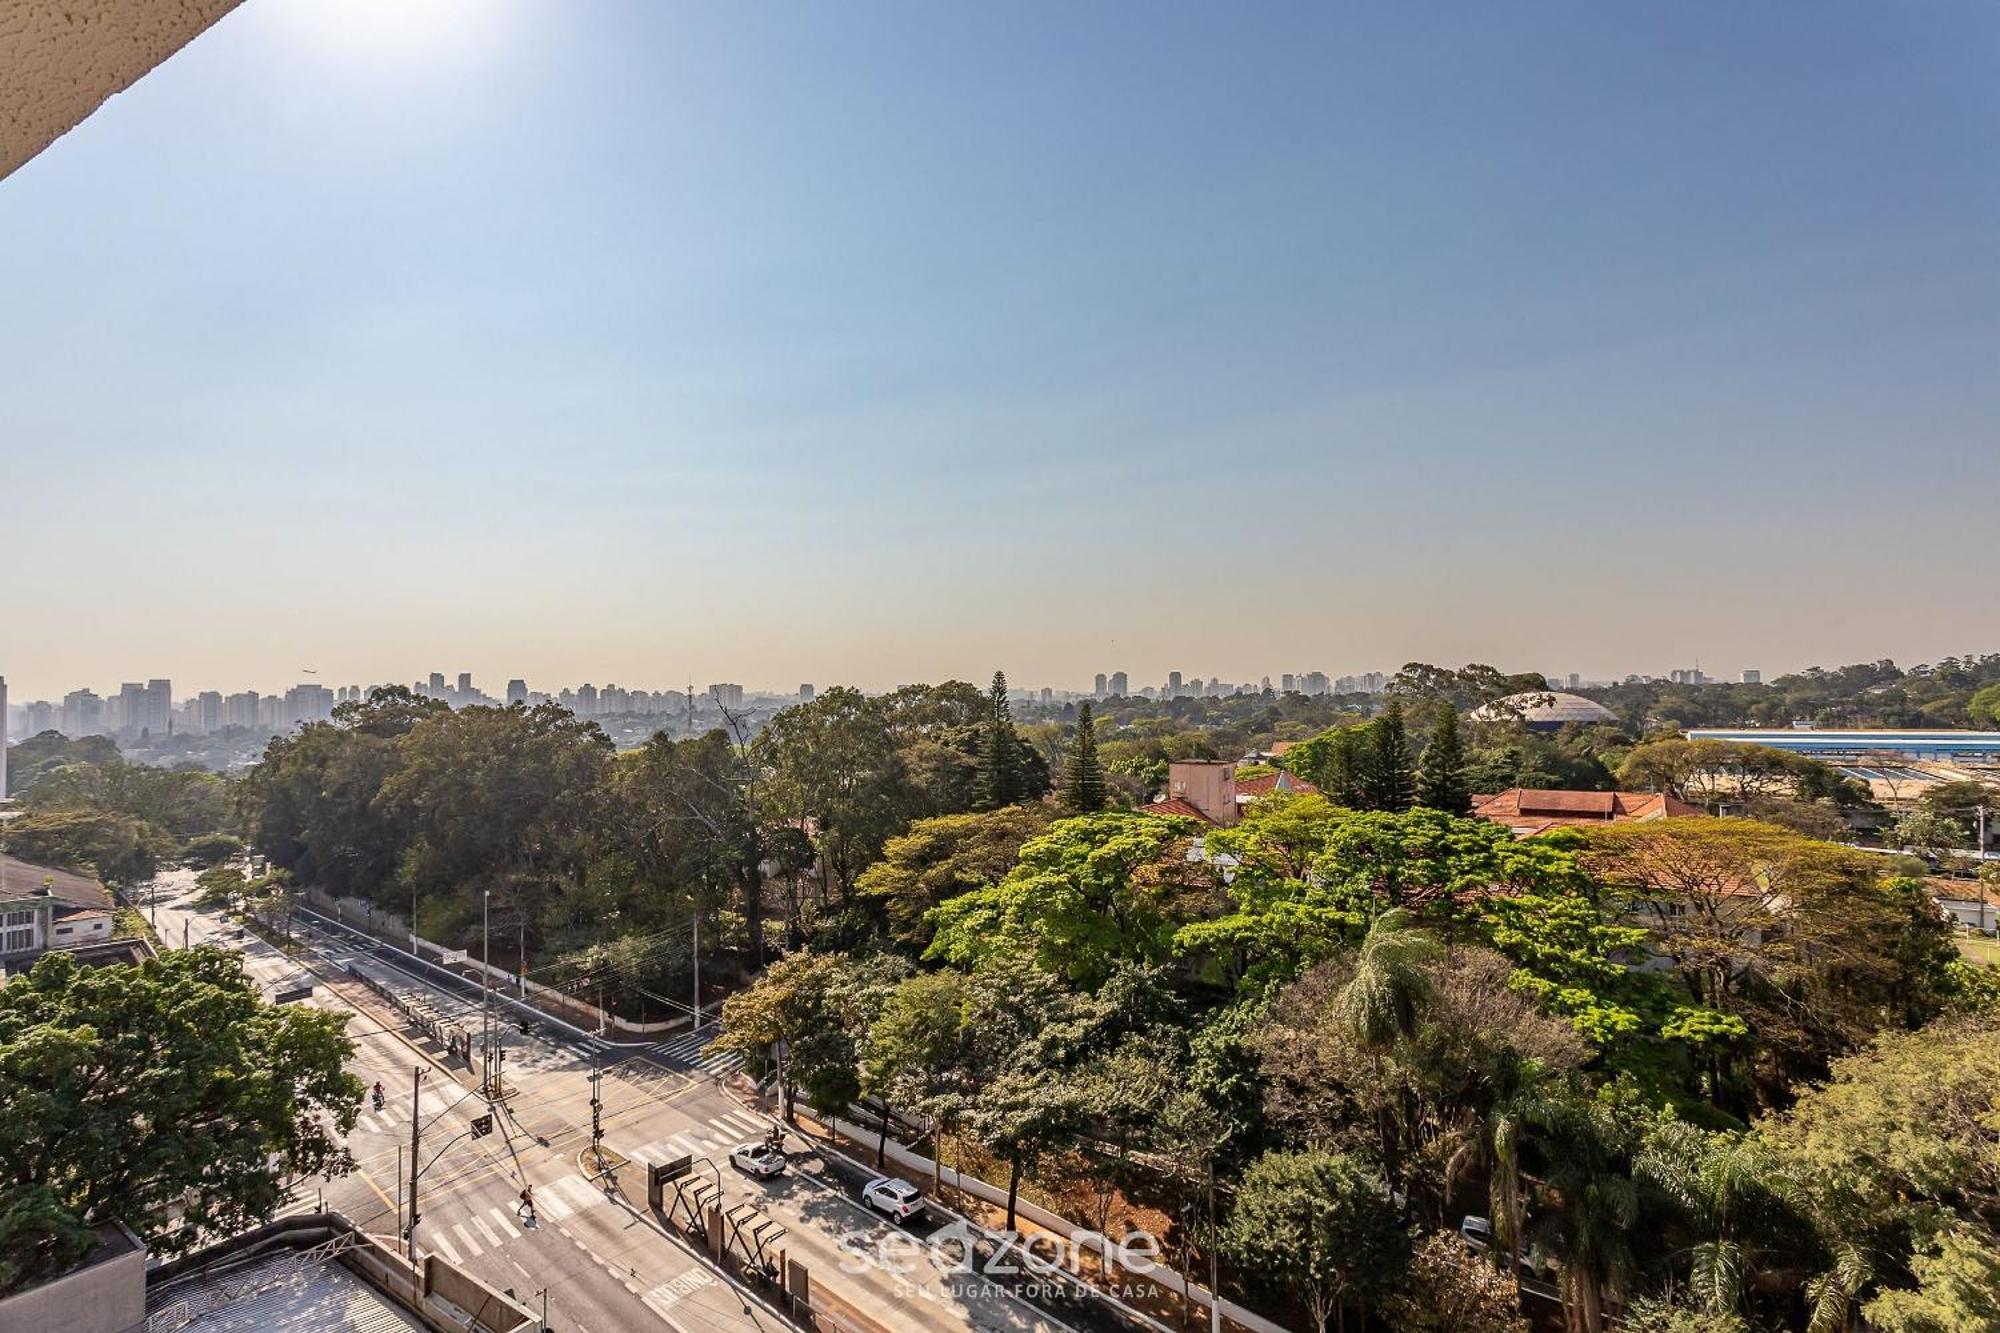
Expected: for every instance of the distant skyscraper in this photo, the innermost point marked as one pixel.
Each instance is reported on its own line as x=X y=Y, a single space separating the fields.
x=1173 y=684
x=517 y=692
x=1314 y=683
x=1121 y=685
x=1575 y=680
x=82 y=714
x=1048 y=695
x=1288 y=683
x=240 y=710
x=805 y=694
x=437 y=684
x=465 y=684
x=208 y=711
x=1753 y=677
x=1100 y=685
x=3 y=738
x=728 y=696
x=586 y=700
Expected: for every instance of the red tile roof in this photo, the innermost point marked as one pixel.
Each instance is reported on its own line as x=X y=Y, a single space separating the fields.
x=1271 y=783
x=1175 y=806
x=1530 y=810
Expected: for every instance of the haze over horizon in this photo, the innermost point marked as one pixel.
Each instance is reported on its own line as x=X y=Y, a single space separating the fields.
x=881 y=344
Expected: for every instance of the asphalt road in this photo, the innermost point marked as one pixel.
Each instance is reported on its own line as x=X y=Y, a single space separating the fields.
x=604 y=1258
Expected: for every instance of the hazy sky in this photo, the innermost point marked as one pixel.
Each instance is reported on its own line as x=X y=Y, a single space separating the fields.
x=871 y=343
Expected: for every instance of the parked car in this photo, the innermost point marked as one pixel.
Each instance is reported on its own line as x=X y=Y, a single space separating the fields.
x=1477 y=1233
x=757 y=1159
x=897 y=1198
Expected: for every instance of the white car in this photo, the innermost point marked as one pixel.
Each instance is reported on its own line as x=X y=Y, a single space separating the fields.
x=757 y=1159
x=897 y=1198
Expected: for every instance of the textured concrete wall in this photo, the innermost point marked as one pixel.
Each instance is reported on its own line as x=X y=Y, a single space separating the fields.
x=60 y=60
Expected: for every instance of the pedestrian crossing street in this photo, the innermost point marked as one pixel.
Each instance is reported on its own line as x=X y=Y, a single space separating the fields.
x=487 y=1227
x=691 y=1049
x=394 y=1117
x=712 y=1139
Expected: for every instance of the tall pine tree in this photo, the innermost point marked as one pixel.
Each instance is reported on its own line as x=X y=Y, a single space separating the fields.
x=1442 y=785
x=1389 y=780
x=999 y=775
x=1083 y=773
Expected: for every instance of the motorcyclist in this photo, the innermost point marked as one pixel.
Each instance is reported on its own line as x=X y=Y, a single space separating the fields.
x=381 y=1097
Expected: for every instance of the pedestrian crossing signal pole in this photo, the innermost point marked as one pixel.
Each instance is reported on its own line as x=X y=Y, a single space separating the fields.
x=596 y=1114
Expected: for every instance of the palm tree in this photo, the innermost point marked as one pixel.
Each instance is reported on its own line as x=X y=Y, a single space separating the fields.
x=1596 y=1205
x=1384 y=1000
x=1713 y=1179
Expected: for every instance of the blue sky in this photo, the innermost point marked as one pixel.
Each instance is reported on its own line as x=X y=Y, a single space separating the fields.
x=887 y=342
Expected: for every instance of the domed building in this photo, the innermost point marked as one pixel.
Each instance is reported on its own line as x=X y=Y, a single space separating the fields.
x=1546 y=710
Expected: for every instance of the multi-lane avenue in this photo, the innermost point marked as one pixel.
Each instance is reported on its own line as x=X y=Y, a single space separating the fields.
x=601 y=1258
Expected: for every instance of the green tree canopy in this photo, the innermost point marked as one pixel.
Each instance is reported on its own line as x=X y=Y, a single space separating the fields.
x=126 y=1092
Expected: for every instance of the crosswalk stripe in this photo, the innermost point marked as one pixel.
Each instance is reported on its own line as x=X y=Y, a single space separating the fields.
x=741 y=1121
x=580 y=1192
x=458 y=1229
x=686 y=1144
x=552 y=1204
x=492 y=1236
x=502 y=1221
x=440 y=1243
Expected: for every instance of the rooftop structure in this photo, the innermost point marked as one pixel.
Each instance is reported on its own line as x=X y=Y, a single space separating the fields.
x=1528 y=810
x=1209 y=790
x=1545 y=710
x=43 y=908
x=1980 y=748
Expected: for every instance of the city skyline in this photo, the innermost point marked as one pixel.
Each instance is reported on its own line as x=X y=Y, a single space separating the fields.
x=1558 y=336
x=156 y=697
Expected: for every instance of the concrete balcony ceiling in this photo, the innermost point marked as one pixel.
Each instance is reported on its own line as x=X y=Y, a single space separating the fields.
x=61 y=59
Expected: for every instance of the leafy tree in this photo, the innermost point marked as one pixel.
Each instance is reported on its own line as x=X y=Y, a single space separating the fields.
x=1928 y=833
x=1000 y=781
x=1083 y=774
x=1445 y=1290
x=1442 y=785
x=215 y=888
x=1385 y=997
x=212 y=849
x=1335 y=762
x=1087 y=894
x=119 y=849
x=803 y=1019
x=938 y=859
x=1585 y=1165
x=1321 y=1225
x=1958 y=1287
x=688 y=818
x=126 y=1092
x=1388 y=775
x=1984 y=706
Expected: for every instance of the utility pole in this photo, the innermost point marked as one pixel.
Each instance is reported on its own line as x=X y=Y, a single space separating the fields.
x=416 y=1141
x=697 y=968
x=485 y=993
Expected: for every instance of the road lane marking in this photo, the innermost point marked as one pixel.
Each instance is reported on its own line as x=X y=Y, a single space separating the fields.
x=439 y=1241
x=500 y=1220
x=492 y=1236
x=459 y=1230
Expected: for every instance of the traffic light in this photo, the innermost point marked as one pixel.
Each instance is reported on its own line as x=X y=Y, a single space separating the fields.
x=482 y=1125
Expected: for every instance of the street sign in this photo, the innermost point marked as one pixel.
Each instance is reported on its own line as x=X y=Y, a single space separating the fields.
x=660 y=1173
x=453 y=956
x=482 y=1125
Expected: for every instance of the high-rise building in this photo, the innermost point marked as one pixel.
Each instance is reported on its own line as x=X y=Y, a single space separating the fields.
x=805 y=694
x=4 y=717
x=1173 y=684
x=1753 y=677
x=1121 y=685
x=586 y=700
x=517 y=692
x=728 y=696
x=240 y=710
x=1048 y=695
x=41 y=716
x=465 y=684
x=1288 y=683
x=1100 y=685
x=307 y=703
x=208 y=711
x=1575 y=680
x=271 y=712
x=82 y=714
